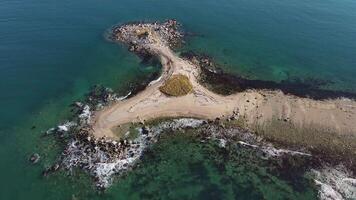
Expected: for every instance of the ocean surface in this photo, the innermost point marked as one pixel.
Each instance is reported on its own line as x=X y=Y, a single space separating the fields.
x=52 y=52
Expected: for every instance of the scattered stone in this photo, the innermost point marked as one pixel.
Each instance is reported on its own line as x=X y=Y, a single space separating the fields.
x=51 y=169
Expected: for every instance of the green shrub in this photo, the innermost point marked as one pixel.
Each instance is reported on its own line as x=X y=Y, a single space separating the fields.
x=177 y=85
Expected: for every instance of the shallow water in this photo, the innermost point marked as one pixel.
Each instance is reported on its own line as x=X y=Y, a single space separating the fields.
x=51 y=52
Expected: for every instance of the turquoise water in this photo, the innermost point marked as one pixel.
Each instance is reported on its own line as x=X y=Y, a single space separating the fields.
x=51 y=52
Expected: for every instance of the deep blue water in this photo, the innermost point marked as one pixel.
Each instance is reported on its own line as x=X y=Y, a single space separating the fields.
x=51 y=52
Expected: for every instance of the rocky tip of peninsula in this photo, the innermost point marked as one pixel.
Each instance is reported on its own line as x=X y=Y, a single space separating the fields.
x=138 y=35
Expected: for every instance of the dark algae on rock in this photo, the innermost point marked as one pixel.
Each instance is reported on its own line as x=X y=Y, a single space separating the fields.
x=220 y=82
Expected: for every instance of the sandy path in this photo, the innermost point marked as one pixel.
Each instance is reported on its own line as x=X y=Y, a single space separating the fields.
x=256 y=106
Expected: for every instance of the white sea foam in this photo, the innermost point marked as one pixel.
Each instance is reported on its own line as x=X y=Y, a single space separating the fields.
x=65 y=127
x=222 y=143
x=155 y=81
x=85 y=115
x=181 y=123
x=102 y=165
x=123 y=97
x=271 y=151
x=335 y=183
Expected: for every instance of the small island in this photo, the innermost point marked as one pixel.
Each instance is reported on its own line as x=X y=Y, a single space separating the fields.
x=109 y=134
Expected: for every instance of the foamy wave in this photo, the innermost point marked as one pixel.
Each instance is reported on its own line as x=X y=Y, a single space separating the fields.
x=66 y=126
x=123 y=97
x=271 y=151
x=335 y=183
x=62 y=128
x=155 y=81
x=181 y=123
x=103 y=164
x=104 y=158
x=85 y=115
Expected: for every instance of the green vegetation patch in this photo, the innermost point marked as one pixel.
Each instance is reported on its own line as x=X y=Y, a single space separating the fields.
x=177 y=85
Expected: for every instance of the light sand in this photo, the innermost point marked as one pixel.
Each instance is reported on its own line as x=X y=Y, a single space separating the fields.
x=256 y=106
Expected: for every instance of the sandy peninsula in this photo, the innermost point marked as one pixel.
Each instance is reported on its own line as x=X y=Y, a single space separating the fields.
x=255 y=106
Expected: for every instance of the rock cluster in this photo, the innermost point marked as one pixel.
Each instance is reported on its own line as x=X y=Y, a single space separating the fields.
x=104 y=157
x=203 y=61
x=99 y=96
x=335 y=183
x=139 y=35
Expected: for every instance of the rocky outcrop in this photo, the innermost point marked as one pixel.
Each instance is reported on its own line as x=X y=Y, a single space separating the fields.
x=138 y=35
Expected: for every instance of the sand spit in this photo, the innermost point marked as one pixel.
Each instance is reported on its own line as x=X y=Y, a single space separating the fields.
x=256 y=106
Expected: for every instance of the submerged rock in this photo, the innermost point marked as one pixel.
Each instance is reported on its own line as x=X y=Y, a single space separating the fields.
x=78 y=104
x=51 y=169
x=35 y=158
